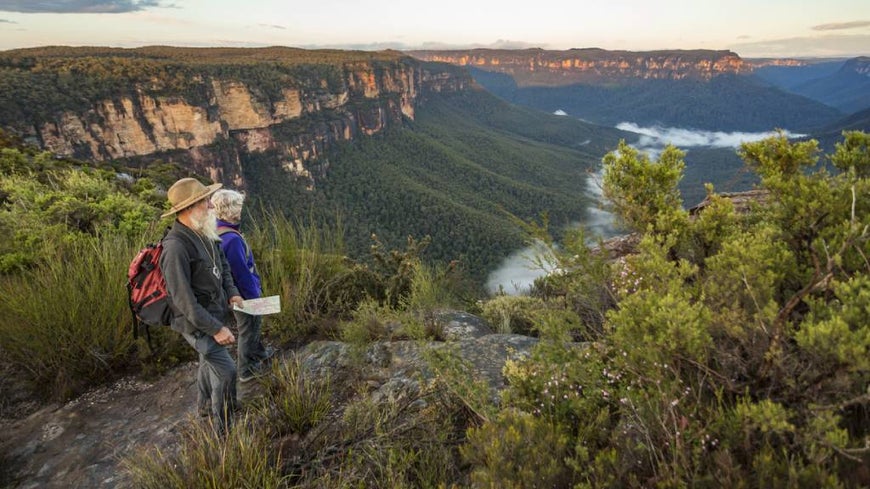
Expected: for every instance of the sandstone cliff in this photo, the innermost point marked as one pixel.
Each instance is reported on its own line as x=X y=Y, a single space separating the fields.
x=312 y=110
x=552 y=68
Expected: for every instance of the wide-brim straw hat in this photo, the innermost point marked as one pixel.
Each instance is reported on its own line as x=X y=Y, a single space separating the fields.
x=186 y=192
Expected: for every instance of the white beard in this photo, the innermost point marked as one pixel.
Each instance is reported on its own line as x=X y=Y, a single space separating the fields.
x=205 y=223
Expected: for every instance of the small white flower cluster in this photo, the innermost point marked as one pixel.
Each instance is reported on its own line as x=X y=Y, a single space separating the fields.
x=709 y=443
x=626 y=281
x=556 y=390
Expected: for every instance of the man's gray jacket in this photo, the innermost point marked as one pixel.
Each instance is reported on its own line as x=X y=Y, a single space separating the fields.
x=200 y=300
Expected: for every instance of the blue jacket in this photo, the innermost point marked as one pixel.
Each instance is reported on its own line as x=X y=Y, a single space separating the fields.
x=241 y=261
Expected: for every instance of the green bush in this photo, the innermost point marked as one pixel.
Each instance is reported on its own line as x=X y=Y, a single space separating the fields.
x=579 y=284
x=643 y=192
x=517 y=451
x=512 y=314
x=735 y=354
x=44 y=206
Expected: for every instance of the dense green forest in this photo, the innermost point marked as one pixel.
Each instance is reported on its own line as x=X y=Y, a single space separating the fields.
x=464 y=172
x=725 y=103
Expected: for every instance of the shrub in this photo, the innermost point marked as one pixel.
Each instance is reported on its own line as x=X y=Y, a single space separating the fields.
x=512 y=314
x=516 y=451
x=735 y=354
x=643 y=193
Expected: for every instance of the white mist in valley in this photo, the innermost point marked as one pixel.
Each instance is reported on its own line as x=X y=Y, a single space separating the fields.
x=518 y=272
x=657 y=137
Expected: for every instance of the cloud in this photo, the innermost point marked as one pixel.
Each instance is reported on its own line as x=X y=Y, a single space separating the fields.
x=425 y=46
x=658 y=137
x=4 y=21
x=499 y=44
x=820 y=46
x=838 y=26
x=76 y=6
x=273 y=26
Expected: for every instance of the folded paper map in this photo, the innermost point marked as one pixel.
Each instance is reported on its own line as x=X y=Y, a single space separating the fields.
x=261 y=306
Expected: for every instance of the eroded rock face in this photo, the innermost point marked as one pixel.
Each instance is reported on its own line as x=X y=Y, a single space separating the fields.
x=237 y=107
x=130 y=127
x=369 y=99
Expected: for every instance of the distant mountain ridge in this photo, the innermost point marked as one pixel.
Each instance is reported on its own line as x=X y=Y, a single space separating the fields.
x=840 y=83
x=538 y=67
x=699 y=89
x=788 y=75
x=848 y=89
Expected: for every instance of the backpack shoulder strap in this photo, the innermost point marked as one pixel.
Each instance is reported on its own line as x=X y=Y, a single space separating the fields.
x=184 y=239
x=222 y=230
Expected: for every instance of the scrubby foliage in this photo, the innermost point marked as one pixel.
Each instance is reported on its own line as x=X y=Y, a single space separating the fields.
x=735 y=354
x=70 y=231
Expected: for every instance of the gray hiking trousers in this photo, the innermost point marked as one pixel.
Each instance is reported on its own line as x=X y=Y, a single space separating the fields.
x=215 y=379
x=251 y=351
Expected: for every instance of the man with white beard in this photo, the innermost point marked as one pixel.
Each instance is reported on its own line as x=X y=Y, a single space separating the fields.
x=201 y=290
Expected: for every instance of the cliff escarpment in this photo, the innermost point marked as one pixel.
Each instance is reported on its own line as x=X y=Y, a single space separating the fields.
x=104 y=104
x=538 y=67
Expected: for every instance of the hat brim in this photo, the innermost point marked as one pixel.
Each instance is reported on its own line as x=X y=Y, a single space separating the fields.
x=192 y=200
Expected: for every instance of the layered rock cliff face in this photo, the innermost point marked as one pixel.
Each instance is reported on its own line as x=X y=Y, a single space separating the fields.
x=307 y=118
x=553 y=68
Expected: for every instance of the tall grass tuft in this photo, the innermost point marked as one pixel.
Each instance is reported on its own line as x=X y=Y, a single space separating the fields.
x=307 y=267
x=244 y=458
x=66 y=324
x=403 y=442
x=295 y=399
x=432 y=287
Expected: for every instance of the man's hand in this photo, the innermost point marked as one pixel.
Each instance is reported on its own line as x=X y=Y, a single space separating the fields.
x=236 y=300
x=224 y=336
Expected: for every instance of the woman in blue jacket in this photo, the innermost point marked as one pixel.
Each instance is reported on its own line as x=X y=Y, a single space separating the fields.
x=252 y=355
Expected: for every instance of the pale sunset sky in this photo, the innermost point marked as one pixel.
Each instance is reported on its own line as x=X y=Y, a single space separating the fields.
x=752 y=28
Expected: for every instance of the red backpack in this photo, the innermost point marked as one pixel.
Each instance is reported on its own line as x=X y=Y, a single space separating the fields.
x=147 y=290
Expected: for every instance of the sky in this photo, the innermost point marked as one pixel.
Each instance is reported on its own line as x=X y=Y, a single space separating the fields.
x=751 y=28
